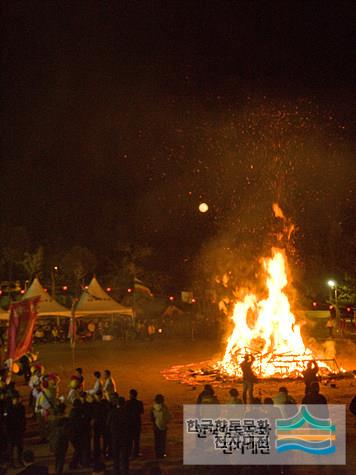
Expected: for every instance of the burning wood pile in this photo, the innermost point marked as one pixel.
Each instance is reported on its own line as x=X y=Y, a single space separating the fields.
x=265 y=328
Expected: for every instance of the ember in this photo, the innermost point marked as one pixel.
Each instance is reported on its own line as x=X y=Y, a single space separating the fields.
x=265 y=327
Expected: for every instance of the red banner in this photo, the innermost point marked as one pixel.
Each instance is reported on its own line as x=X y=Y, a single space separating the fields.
x=21 y=323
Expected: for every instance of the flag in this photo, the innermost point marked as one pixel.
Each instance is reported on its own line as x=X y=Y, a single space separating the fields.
x=72 y=332
x=21 y=324
x=141 y=288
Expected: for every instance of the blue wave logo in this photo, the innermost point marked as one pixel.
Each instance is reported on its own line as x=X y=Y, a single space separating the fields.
x=306 y=433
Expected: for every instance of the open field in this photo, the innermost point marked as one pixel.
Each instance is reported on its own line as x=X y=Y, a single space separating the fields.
x=138 y=365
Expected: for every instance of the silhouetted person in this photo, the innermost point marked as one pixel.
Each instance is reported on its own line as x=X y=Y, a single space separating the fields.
x=101 y=408
x=32 y=468
x=234 y=397
x=15 y=426
x=79 y=374
x=209 y=396
x=310 y=375
x=314 y=397
x=248 y=378
x=77 y=426
x=87 y=409
x=59 y=438
x=208 y=389
x=160 y=417
x=118 y=427
x=285 y=402
x=134 y=409
x=352 y=406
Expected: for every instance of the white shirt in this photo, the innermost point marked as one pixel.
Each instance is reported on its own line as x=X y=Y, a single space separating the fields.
x=98 y=386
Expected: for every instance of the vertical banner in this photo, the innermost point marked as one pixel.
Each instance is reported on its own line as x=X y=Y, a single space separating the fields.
x=21 y=324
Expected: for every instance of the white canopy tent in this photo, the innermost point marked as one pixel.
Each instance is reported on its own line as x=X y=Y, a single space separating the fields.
x=47 y=306
x=95 y=301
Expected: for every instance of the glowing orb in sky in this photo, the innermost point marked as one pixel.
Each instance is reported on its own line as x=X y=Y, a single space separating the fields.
x=203 y=207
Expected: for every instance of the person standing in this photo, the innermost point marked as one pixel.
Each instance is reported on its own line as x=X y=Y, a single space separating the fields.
x=98 y=385
x=101 y=409
x=80 y=376
x=310 y=375
x=77 y=425
x=248 y=378
x=118 y=427
x=15 y=427
x=160 y=417
x=316 y=402
x=59 y=438
x=135 y=410
x=44 y=407
x=109 y=386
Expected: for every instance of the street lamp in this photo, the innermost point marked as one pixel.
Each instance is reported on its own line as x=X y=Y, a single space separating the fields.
x=53 y=276
x=333 y=286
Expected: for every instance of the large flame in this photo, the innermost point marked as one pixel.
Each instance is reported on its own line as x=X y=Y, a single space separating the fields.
x=267 y=328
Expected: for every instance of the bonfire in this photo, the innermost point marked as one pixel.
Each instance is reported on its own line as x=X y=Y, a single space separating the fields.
x=265 y=328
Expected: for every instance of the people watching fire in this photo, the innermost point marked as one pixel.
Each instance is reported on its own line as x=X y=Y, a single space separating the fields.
x=285 y=402
x=310 y=375
x=248 y=378
x=98 y=385
x=99 y=427
x=234 y=397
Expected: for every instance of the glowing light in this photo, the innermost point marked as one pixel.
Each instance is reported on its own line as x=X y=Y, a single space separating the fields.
x=65 y=288
x=331 y=283
x=171 y=298
x=267 y=328
x=129 y=291
x=314 y=304
x=108 y=289
x=203 y=207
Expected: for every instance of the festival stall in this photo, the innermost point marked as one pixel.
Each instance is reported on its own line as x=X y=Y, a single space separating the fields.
x=47 y=307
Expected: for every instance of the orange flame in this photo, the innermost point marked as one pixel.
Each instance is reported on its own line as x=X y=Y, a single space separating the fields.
x=267 y=328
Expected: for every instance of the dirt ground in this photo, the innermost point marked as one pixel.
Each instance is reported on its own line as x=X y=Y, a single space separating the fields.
x=139 y=365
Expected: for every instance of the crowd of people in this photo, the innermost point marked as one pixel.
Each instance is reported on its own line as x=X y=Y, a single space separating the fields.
x=96 y=421
x=102 y=425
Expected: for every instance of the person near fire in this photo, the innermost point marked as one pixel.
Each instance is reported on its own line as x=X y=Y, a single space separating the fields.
x=310 y=375
x=248 y=378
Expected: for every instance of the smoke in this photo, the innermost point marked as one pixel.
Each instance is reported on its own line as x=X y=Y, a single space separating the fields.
x=324 y=350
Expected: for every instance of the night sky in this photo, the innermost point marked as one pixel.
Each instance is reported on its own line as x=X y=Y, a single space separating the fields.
x=119 y=118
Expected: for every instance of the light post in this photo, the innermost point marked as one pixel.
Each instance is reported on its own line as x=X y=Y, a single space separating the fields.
x=333 y=287
x=53 y=278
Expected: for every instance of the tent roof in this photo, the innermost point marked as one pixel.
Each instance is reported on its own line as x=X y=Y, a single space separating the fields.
x=95 y=301
x=47 y=305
